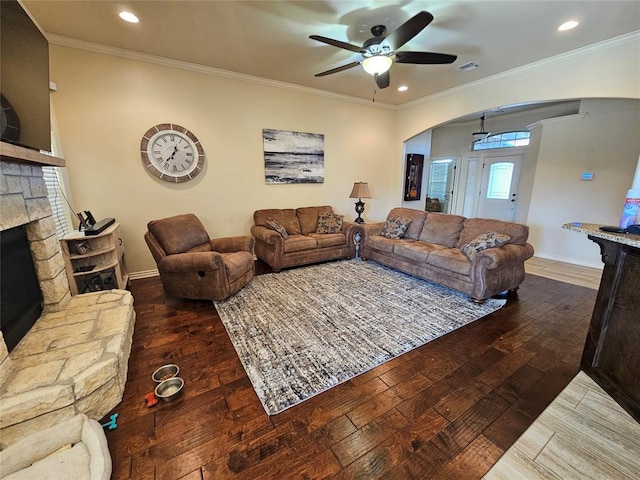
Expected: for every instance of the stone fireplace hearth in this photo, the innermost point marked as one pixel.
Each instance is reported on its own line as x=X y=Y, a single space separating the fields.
x=74 y=358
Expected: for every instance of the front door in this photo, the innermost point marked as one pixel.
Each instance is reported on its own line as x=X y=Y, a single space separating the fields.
x=499 y=190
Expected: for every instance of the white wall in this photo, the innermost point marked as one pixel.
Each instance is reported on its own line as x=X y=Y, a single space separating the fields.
x=610 y=70
x=604 y=141
x=104 y=104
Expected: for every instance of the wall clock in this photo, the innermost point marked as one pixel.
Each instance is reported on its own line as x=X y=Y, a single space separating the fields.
x=172 y=153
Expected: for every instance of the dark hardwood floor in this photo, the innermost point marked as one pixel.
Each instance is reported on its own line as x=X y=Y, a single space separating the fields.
x=448 y=409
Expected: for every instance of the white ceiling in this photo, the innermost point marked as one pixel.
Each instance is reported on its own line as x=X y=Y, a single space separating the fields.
x=270 y=39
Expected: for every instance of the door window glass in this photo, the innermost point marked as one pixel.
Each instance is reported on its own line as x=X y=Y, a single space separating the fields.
x=500 y=180
x=503 y=140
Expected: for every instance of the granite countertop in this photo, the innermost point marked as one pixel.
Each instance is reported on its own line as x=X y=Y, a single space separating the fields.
x=594 y=230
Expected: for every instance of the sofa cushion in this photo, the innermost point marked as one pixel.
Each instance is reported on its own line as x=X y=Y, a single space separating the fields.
x=442 y=228
x=416 y=251
x=297 y=243
x=329 y=239
x=450 y=259
x=284 y=216
x=482 y=242
x=395 y=227
x=475 y=226
x=417 y=220
x=275 y=225
x=308 y=217
x=329 y=223
x=180 y=233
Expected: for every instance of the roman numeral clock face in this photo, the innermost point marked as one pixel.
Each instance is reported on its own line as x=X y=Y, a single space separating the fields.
x=172 y=153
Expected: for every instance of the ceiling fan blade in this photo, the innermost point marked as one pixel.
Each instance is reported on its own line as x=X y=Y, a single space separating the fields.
x=338 y=69
x=383 y=79
x=338 y=43
x=408 y=30
x=425 y=58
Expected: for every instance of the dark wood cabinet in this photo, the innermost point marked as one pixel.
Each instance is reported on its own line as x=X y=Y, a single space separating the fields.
x=612 y=350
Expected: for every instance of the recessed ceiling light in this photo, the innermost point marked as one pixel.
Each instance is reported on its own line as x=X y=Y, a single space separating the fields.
x=403 y=88
x=568 y=25
x=128 y=17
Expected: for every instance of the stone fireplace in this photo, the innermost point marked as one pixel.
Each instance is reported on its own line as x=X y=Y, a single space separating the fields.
x=23 y=201
x=74 y=358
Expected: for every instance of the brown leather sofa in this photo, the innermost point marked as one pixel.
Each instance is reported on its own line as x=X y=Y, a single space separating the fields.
x=431 y=249
x=192 y=265
x=302 y=245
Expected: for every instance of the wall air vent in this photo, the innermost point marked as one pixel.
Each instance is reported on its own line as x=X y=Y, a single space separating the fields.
x=467 y=67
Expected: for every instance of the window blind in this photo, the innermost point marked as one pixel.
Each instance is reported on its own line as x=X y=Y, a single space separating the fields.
x=61 y=215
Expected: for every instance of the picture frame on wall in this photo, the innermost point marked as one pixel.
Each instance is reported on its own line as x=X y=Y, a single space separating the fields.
x=293 y=157
x=413 y=177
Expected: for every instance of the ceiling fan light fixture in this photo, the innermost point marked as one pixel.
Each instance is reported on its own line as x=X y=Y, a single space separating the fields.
x=377 y=64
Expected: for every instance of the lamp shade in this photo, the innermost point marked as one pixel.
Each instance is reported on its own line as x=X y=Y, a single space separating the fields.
x=376 y=64
x=360 y=190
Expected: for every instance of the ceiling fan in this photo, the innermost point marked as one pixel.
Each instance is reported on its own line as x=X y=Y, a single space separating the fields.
x=380 y=51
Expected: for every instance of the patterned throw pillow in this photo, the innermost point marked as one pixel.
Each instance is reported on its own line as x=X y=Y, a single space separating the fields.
x=395 y=227
x=274 y=225
x=484 y=241
x=329 y=223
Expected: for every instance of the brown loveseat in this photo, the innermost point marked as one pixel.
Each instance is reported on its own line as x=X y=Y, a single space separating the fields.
x=302 y=244
x=430 y=248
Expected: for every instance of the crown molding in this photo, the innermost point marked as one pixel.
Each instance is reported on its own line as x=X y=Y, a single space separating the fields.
x=216 y=72
x=554 y=120
x=556 y=59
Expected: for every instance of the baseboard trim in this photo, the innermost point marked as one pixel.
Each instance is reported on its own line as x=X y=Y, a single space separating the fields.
x=144 y=274
x=597 y=266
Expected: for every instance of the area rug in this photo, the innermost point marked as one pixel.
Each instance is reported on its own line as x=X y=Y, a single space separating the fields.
x=304 y=330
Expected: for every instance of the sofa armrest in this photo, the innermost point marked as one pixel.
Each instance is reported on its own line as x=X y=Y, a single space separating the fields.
x=370 y=229
x=266 y=235
x=509 y=254
x=349 y=229
x=191 y=262
x=497 y=269
x=232 y=244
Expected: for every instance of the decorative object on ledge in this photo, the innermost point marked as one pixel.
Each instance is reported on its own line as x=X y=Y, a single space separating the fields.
x=360 y=191
x=413 y=177
x=293 y=157
x=480 y=134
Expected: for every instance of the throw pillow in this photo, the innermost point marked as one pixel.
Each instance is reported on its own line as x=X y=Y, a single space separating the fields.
x=484 y=241
x=274 y=225
x=329 y=223
x=395 y=227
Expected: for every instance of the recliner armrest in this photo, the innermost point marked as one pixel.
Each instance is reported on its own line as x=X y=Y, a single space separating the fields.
x=232 y=244
x=191 y=262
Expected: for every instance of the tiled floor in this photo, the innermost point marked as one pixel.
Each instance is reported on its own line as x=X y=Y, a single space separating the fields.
x=565 y=272
x=583 y=434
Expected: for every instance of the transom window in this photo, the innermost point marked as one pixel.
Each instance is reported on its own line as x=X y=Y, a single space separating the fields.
x=518 y=138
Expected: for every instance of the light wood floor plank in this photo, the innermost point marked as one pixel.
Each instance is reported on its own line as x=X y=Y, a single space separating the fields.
x=565 y=272
x=582 y=434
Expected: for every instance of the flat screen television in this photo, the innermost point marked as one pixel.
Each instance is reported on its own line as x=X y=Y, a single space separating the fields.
x=24 y=79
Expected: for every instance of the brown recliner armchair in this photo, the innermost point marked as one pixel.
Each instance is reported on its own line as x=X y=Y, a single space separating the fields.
x=192 y=265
